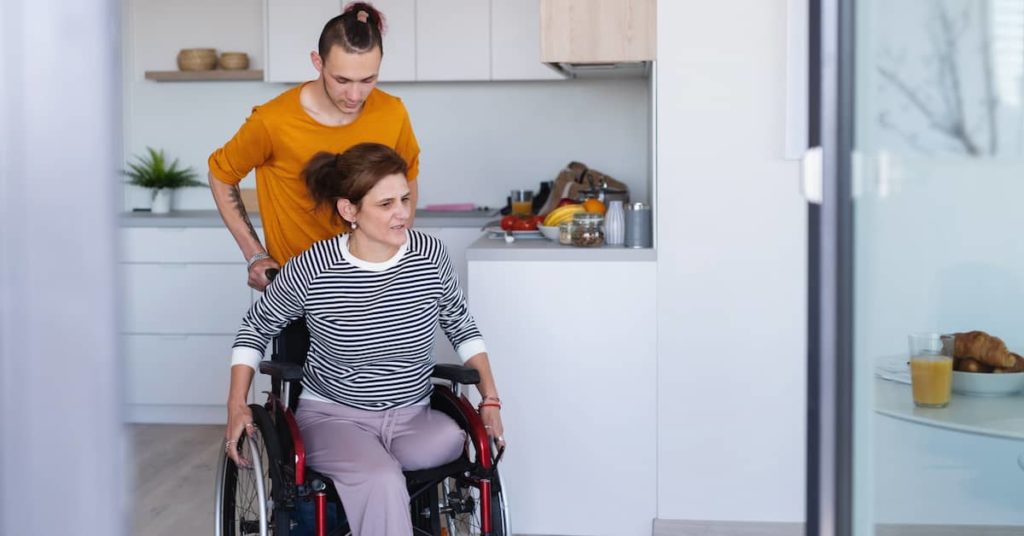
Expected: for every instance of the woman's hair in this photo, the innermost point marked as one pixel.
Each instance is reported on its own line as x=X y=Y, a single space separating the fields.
x=358 y=29
x=349 y=175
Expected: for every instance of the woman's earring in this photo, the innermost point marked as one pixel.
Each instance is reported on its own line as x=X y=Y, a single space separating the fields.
x=354 y=225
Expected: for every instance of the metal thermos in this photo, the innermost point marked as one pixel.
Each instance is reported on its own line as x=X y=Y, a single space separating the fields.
x=638 y=226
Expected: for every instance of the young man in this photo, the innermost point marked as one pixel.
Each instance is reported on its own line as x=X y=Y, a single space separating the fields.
x=339 y=109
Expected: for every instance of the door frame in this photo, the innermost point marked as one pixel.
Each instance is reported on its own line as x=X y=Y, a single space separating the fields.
x=830 y=273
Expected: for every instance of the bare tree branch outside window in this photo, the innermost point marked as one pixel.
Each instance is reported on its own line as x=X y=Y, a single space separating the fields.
x=937 y=94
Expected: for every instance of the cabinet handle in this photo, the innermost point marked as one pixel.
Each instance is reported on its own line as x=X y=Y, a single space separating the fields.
x=1020 y=461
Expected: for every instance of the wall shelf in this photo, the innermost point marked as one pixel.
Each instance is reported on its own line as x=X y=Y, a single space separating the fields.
x=200 y=76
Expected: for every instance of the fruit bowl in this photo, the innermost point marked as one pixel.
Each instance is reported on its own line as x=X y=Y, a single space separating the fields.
x=549 y=231
x=987 y=383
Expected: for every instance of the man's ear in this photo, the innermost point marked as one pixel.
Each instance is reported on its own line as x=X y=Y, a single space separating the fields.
x=318 y=62
x=347 y=210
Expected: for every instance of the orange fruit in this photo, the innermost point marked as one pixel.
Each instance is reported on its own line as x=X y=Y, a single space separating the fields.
x=594 y=205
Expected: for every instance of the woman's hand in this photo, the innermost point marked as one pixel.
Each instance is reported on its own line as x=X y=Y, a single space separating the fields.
x=492 y=423
x=239 y=422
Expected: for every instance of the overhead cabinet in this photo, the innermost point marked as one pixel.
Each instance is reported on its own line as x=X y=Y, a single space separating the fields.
x=399 y=63
x=597 y=31
x=424 y=40
x=293 y=28
x=453 y=40
x=515 y=42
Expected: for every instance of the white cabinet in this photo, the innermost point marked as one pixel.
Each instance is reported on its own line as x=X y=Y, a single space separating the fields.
x=177 y=370
x=178 y=245
x=453 y=40
x=572 y=346
x=184 y=293
x=515 y=42
x=292 y=30
x=424 y=40
x=399 y=62
x=170 y=298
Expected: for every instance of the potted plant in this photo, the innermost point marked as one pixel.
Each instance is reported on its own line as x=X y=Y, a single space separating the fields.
x=152 y=171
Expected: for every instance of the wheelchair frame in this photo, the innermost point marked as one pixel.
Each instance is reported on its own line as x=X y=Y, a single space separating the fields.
x=291 y=480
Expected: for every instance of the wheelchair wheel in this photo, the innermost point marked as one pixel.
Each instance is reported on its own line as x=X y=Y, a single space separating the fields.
x=249 y=499
x=461 y=507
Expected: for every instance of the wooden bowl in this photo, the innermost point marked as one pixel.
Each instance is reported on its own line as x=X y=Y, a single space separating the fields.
x=234 y=61
x=197 y=59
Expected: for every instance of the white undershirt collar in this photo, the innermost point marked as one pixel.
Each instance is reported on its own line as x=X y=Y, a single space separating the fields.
x=373 y=266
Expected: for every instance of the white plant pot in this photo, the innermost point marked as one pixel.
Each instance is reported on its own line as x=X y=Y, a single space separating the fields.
x=162 y=201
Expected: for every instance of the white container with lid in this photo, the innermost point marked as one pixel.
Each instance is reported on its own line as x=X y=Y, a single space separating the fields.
x=614 y=224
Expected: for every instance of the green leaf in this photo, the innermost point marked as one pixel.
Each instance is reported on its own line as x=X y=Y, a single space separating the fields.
x=151 y=171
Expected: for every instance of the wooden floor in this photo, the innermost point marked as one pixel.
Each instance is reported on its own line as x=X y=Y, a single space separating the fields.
x=172 y=487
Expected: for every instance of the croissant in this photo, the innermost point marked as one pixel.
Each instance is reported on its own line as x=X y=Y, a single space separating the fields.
x=983 y=347
x=969 y=364
x=1018 y=366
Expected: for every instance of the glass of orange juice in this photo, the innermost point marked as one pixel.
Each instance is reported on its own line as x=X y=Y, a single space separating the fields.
x=522 y=202
x=931 y=369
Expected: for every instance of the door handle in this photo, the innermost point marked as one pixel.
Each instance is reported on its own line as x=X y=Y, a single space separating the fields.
x=812 y=175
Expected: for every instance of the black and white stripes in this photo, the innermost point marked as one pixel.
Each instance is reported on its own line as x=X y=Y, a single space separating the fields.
x=371 y=324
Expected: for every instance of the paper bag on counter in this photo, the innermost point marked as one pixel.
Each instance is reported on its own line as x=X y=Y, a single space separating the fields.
x=577 y=178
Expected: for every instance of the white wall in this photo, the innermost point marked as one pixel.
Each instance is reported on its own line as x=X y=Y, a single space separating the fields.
x=478 y=139
x=732 y=268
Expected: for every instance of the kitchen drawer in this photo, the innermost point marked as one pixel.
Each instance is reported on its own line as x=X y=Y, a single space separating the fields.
x=177 y=369
x=184 y=298
x=180 y=244
x=186 y=370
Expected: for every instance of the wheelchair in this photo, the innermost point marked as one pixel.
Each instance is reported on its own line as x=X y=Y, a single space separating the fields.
x=464 y=497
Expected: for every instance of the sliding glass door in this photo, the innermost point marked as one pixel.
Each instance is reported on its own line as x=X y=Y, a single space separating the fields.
x=917 y=110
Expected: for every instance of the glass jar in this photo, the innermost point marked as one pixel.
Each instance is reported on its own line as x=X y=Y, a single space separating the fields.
x=586 y=230
x=565 y=233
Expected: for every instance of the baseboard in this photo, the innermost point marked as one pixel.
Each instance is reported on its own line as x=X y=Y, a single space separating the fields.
x=948 y=530
x=679 y=527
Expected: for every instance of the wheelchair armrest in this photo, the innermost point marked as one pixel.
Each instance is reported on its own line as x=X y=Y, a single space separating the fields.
x=282 y=370
x=456 y=374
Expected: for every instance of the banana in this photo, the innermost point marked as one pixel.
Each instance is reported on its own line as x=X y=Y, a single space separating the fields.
x=562 y=214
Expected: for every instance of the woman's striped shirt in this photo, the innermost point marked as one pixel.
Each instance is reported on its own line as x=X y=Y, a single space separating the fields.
x=371 y=324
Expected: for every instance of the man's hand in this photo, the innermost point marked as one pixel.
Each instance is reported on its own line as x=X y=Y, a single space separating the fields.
x=258 y=273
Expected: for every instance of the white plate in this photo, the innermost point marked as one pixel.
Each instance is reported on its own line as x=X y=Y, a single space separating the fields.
x=987 y=383
x=497 y=232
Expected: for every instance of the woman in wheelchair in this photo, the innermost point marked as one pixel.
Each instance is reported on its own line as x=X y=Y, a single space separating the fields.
x=371 y=298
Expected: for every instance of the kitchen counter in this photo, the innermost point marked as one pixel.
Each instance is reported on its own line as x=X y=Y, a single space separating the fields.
x=211 y=218
x=993 y=416
x=486 y=248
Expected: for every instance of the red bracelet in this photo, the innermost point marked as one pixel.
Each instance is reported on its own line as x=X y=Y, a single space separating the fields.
x=488 y=405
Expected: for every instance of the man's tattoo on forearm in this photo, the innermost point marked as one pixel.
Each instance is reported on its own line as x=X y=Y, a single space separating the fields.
x=236 y=197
